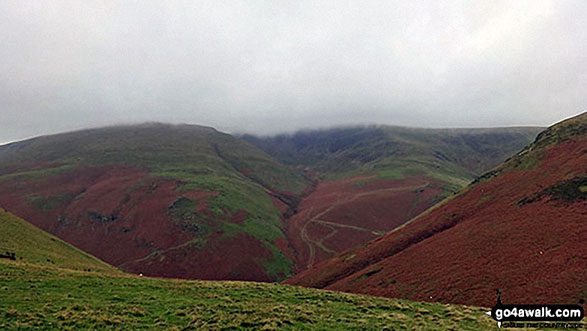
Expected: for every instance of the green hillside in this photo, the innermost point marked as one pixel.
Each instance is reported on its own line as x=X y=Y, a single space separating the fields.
x=229 y=186
x=168 y=200
x=29 y=245
x=528 y=158
x=527 y=214
x=55 y=286
x=183 y=152
x=453 y=155
x=46 y=299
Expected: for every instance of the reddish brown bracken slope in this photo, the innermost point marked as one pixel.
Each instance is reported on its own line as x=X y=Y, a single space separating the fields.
x=164 y=200
x=339 y=215
x=118 y=213
x=521 y=228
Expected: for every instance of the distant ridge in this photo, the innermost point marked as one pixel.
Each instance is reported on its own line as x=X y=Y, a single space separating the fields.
x=520 y=227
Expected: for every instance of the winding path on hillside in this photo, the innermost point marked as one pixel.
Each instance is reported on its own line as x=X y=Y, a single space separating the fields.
x=312 y=244
x=157 y=252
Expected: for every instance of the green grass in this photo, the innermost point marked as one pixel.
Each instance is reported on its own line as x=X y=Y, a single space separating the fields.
x=255 y=228
x=562 y=131
x=198 y=158
x=51 y=298
x=344 y=152
x=445 y=173
x=53 y=286
x=234 y=194
x=173 y=149
x=263 y=222
x=527 y=163
x=35 y=174
x=259 y=166
x=33 y=245
x=279 y=266
x=184 y=214
x=46 y=203
x=529 y=158
x=453 y=177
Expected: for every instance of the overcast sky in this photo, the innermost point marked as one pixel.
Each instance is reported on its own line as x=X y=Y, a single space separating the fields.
x=276 y=66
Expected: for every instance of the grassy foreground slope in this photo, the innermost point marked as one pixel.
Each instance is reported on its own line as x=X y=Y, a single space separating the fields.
x=27 y=244
x=50 y=299
x=165 y=200
x=49 y=287
x=520 y=228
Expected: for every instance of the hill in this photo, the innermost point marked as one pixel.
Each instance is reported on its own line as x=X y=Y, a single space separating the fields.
x=52 y=286
x=373 y=179
x=188 y=201
x=521 y=228
x=27 y=245
x=454 y=155
x=164 y=200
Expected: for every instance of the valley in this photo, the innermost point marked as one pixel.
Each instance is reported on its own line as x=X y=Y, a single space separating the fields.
x=416 y=223
x=371 y=180
x=519 y=228
x=293 y=165
x=187 y=201
x=342 y=214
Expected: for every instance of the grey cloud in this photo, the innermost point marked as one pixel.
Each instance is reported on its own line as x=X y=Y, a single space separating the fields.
x=273 y=66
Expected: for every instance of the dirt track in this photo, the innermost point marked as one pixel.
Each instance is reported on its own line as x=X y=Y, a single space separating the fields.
x=313 y=244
